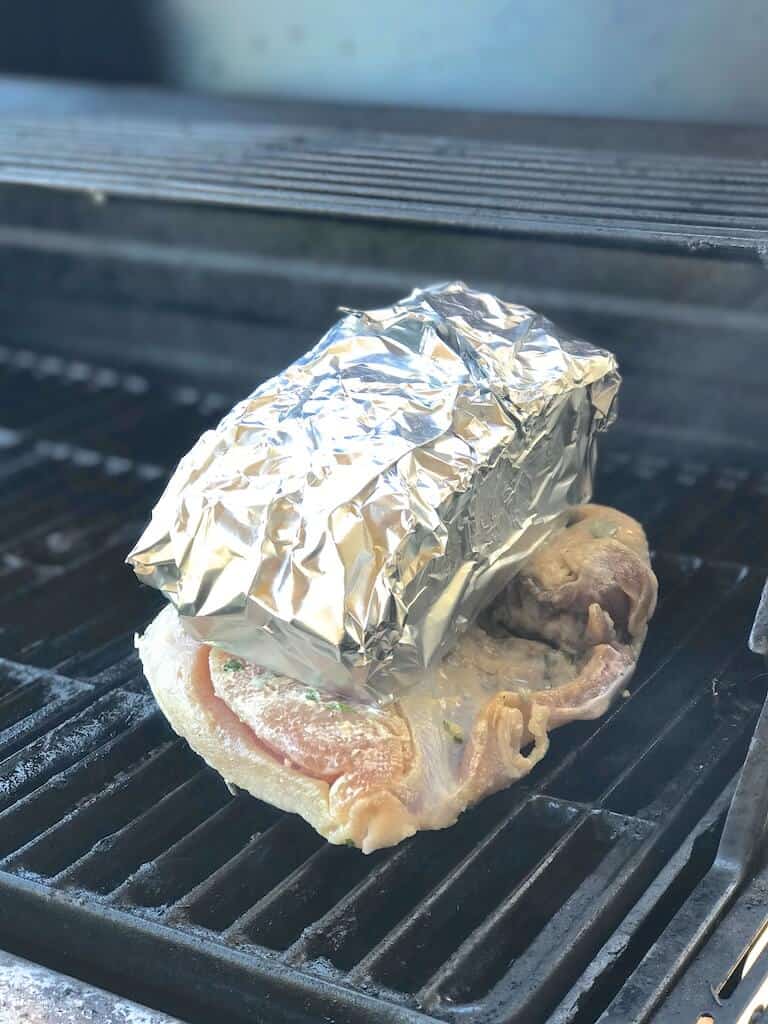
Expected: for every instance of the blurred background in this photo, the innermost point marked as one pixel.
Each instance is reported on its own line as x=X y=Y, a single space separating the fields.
x=700 y=60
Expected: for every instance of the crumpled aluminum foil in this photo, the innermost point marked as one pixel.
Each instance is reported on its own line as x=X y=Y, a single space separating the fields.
x=349 y=518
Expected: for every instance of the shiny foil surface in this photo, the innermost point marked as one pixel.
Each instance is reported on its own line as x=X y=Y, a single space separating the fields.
x=349 y=518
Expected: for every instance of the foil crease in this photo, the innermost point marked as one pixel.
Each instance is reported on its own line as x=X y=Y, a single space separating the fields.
x=345 y=522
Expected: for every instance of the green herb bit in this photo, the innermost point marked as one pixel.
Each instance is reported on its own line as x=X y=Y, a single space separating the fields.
x=233 y=665
x=454 y=731
x=600 y=528
x=312 y=695
x=339 y=705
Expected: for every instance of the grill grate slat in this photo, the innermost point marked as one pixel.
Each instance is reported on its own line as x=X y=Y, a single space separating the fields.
x=375 y=907
x=96 y=818
x=65 y=743
x=198 y=856
x=106 y=865
x=452 y=160
x=510 y=196
x=497 y=186
x=496 y=948
x=412 y=952
x=644 y=922
x=279 y=916
x=264 y=861
x=61 y=793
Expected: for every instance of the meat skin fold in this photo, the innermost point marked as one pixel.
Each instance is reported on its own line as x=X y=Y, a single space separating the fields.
x=559 y=644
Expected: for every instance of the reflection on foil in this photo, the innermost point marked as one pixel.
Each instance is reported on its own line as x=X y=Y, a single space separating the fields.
x=345 y=521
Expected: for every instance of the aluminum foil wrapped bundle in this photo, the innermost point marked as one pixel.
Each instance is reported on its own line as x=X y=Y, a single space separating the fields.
x=345 y=522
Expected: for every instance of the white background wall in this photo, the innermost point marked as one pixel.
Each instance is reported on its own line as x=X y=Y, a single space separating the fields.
x=671 y=59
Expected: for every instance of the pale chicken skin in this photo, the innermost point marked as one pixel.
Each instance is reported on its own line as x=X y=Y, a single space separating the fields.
x=557 y=645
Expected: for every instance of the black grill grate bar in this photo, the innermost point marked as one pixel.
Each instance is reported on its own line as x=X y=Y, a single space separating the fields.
x=197 y=855
x=690 y=591
x=487 y=176
x=588 y=867
x=646 y=496
x=613 y=964
x=726 y=507
x=37 y=695
x=264 y=861
x=39 y=490
x=48 y=401
x=91 y=663
x=15 y=677
x=36 y=723
x=369 y=893
x=120 y=620
x=73 y=385
x=232 y=142
x=691 y=509
x=674 y=742
x=86 y=408
x=697 y=760
x=393 y=884
x=640 y=784
x=93 y=583
x=277 y=918
x=23 y=463
x=51 y=539
x=68 y=640
x=67 y=741
x=67 y=590
x=195 y=902
x=92 y=422
x=659 y=968
x=624 y=227
x=46 y=804
x=98 y=816
x=100 y=428
x=715 y=517
x=751 y=223
x=731 y=965
x=53 y=549
x=71 y=370
x=393 y=957
x=420 y=934
x=105 y=866
x=433 y=181
x=119 y=672
x=744 y=535
x=677 y=574
x=246 y=986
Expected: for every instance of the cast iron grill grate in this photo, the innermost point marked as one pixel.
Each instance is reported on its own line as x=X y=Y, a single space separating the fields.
x=123 y=857
x=694 y=202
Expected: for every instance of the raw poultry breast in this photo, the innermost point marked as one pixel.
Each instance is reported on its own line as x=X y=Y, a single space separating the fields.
x=558 y=644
